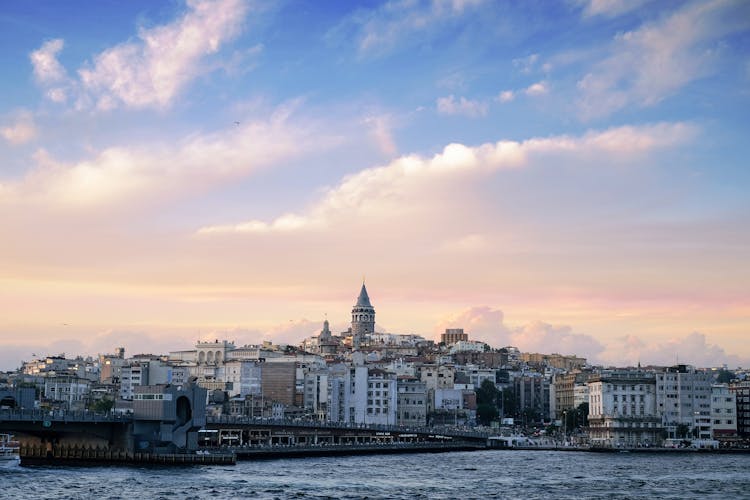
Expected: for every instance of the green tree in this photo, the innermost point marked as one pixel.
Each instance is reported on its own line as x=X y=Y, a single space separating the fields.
x=488 y=397
x=724 y=377
x=486 y=414
x=682 y=431
x=103 y=405
x=583 y=415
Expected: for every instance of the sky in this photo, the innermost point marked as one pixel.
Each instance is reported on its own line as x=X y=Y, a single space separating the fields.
x=566 y=177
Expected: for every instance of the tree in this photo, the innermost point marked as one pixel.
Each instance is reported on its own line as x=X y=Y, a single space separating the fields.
x=486 y=413
x=724 y=377
x=682 y=431
x=488 y=397
x=583 y=415
x=510 y=405
x=103 y=405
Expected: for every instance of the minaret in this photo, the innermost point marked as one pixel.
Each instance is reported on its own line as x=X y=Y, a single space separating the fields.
x=325 y=333
x=363 y=318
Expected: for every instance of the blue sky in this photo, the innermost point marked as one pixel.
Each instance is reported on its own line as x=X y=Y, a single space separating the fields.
x=560 y=175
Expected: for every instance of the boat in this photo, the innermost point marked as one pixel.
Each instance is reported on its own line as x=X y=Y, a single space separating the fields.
x=9 y=455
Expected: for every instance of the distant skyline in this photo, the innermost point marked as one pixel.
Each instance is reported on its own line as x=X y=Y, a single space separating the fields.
x=564 y=177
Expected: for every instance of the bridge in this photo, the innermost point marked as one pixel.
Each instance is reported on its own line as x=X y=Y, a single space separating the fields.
x=116 y=432
x=233 y=431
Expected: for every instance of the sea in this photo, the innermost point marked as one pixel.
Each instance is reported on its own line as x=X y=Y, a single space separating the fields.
x=455 y=475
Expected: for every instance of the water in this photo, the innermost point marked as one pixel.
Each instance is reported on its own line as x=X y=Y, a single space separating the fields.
x=463 y=475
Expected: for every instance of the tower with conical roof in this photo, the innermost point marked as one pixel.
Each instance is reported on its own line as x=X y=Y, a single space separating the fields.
x=363 y=318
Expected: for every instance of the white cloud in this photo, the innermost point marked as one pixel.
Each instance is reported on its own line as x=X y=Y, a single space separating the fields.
x=608 y=8
x=526 y=64
x=21 y=130
x=537 y=89
x=451 y=106
x=379 y=29
x=488 y=325
x=47 y=69
x=122 y=174
x=151 y=70
x=693 y=349
x=646 y=65
x=386 y=191
x=506 y=96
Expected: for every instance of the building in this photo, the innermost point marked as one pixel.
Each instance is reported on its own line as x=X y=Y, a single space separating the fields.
x=382 y=397
x=453 y=335
x=741 y=391
x=363 y=319
x=278 y=382
x=558 y=361
x=412 y=402
x=316 y=393
x=532 y=398
x=564 y=391
x=683 y=397
x=143 y=372
x=723 y=413
x=623 y=411
x=67 y=389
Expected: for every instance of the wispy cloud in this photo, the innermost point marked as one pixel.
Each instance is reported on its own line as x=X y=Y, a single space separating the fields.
x=385 y=190
x=149 y=71
x=20 y=129
x=648 y=64
x=449 y=105
x=608 y=8
x=379 y=29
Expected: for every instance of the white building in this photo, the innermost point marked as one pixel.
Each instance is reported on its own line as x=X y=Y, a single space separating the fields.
x=412 y=402
x=683 y=397
x=580 y=394
x=243 y=378
x=468 y=346
x=67 y=389
x=723 y=412
x=144 y=372
x=382 y=397
x=315 y=395
x=622 y=410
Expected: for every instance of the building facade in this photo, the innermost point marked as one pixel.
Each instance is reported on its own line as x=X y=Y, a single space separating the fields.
x=623 y=411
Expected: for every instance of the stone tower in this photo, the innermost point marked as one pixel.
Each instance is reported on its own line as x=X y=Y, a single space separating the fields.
x=363 y=318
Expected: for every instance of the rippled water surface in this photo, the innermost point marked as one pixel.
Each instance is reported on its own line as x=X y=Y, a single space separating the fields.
x=464 y=475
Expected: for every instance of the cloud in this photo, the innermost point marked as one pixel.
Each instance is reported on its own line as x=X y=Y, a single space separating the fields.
x=450 y=106
x=506 y=96
x=646 y=65
x=537 y=89
x=526 y=64
x=693 y=349
x=386 y=191
x=608 y=8
x=380 y=131
x=121 y=174
x=488 y=325
x=47 y=69
x=21 y=130
x=149 y=71
x=379 y=29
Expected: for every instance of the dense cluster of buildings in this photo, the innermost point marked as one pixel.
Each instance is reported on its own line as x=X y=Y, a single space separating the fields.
x=367 y=377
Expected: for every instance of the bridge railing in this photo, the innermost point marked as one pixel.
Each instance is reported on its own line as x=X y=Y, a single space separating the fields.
x=28 y=415
x=446 y=431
